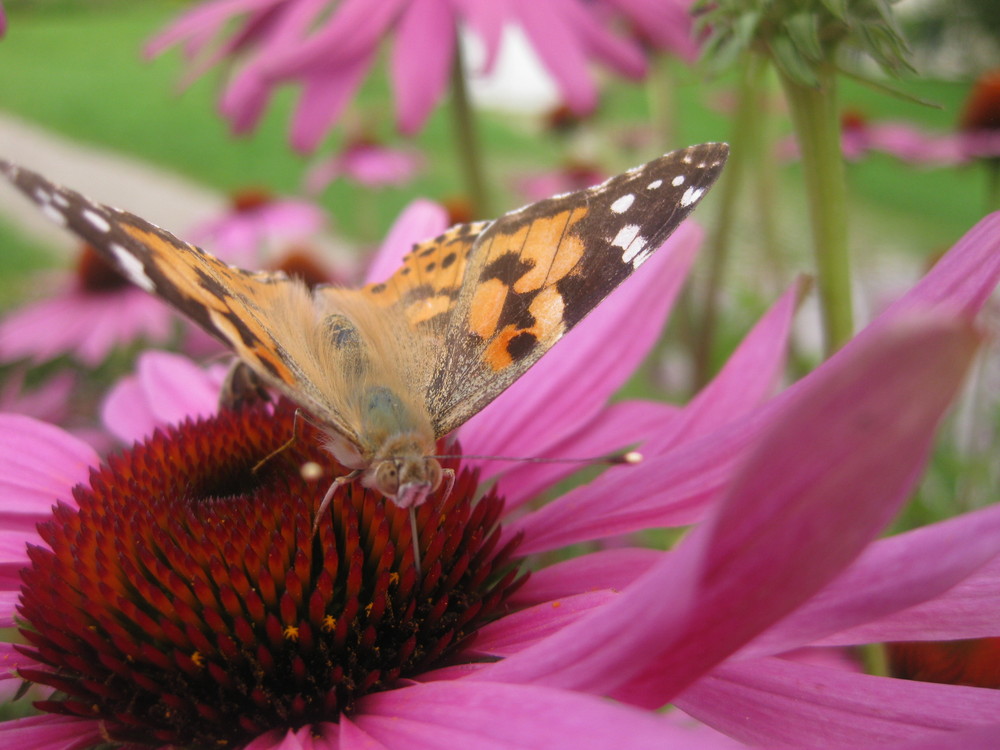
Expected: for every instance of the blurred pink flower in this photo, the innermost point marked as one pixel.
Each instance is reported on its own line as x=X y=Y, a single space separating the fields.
x=906 y=142
x=329 y=49
x=788 y=493
x=89 y=314
x=366 y=163
x=48 y=402
x=258 y=224
x=570 y=177
x=3 y=22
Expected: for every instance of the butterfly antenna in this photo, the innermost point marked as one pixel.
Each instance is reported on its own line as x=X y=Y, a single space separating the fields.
x=611 y=459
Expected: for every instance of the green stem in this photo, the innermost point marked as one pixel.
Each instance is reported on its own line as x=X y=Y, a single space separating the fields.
x=992 y=184
x=816 y=119
x=469 y=153
x=745 y=133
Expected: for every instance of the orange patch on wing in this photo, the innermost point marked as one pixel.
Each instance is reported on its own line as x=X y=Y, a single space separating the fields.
x=497 y=355
x=487 y=304
x=550 y=248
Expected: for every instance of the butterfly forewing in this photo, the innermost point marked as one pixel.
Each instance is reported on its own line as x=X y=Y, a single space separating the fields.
x=535 y=273
x=249 y=312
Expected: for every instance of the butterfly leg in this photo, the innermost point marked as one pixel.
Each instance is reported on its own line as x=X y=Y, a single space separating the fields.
x=284 y=446
x=325 y=502
x=242 y=387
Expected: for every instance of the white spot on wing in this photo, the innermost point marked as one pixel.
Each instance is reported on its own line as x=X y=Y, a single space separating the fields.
x=628 y=239
x=622 y=205
x=53 y=213
x=626 y=236
x=691 y=195
x=132 y=267
x=60 y=200
x=96 y=220
x=654 y=184
x=677 y=181
x=641 y=257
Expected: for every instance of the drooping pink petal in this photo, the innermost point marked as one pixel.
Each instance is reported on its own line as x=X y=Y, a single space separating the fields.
x=621 y=54
x=963 y=278
x=446 y=715
x=967 y=610
x=606 y=569
x=613 y=429
x=897 y=573
x=325 y=93
x=567 y=388
x=804 y=504
x=559 y=50
x=751 y=375
x=353 y=31
x=353 y=738
x=777 y=702
x=321 y=736
x=420 y=220
x=206 y=16
x=166 y=388
x=517 y=631
x=39 y=464
x=421 y=61
x=51 y=732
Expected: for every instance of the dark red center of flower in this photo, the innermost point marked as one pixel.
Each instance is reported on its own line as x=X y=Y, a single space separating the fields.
x=96 y=275
x=188 y=603
x=853 y=119
x=982 y=108
x=301 y=262
x=250 y=199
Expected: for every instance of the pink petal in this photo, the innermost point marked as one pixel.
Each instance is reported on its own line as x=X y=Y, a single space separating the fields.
x=963 y=278
x=491 y=716
x=606 y=569
x=517 y=631
x=570 y=385
x=313 y=737
x=900 y=572
x=623 y=55
x=559 y=50
x=617 y=427
x=324 y=96
x=202 y=17
x=420 y=220
x=804 y=505
x=352 y=32
x=421 y=60
x=750 y=375
x=51 y=732
x=39 y=465
x=353 y=738
x=778 y=702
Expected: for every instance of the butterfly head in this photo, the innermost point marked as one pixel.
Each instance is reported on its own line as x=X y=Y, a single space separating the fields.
x=403 y=472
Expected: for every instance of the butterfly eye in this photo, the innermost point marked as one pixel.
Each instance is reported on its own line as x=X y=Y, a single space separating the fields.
x=387 y=478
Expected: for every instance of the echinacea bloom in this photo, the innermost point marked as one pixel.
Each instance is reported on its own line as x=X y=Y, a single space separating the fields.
x=329 y=49
x=367 y=163
x=258 y=223
x=208 y=612
x=566 y=179
x=94 y=311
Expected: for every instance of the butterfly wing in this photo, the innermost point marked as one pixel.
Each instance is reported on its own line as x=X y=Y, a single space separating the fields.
x=258 y=315
x=534 y=273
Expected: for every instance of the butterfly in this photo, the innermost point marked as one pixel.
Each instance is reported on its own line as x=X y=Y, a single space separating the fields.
x=388 y=369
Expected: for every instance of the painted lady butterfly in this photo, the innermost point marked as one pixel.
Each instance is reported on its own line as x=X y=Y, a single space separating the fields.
x=389 y=368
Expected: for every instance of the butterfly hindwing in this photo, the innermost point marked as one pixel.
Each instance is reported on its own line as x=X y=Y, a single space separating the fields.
x=534 y=273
